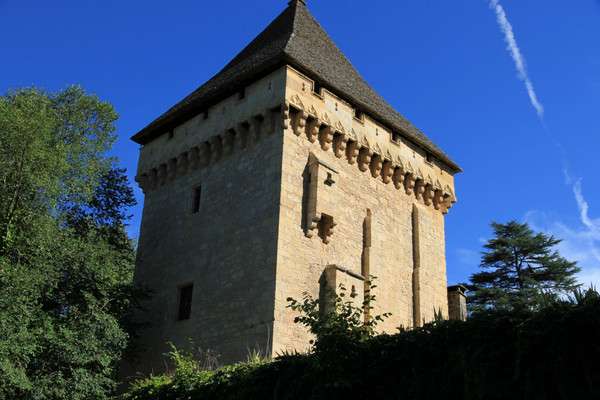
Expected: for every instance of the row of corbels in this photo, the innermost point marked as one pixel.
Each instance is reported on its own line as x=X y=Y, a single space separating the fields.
x=357 y=149
x=238 y=136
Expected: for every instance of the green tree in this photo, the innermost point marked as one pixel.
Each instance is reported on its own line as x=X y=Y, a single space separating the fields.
x=520 y=268
x=65 y=258
x=339 y=326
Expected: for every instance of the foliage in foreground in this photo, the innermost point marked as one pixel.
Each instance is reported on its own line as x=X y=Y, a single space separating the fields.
x=499 y=354
x=65 y=257
x=338 y=321
x=520 y=270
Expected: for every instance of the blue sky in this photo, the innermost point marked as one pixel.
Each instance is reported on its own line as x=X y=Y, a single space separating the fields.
x=520 y=114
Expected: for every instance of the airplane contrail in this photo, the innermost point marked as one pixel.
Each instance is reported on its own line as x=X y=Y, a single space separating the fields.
x=516 y=55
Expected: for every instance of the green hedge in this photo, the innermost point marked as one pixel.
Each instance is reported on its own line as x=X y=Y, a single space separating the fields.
x=551 y=354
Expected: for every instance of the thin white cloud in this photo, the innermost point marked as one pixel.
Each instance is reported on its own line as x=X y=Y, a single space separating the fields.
x=516 y=55
x=580 y=239
x=582 y=205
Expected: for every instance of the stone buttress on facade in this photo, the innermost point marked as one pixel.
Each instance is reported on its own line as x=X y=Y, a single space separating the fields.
x=283 y=174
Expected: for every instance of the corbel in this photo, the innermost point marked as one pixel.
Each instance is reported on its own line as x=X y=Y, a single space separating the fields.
x=241 y=133
x=152 y=178
x=311 y=225
x=438 y=198
x=216 y=147
x=326 y=136
x=339 y=144
x=193 y=157
x=161 y=174
x=142 y=181
x=205 y=154
x=376 y=164
x=268 y=123
x=182 y=163
x=312 y=129
x=326 y=228
x=352 y=150
x=449 y=200
x=277 y=120
x=259 y=123
x=285 y=115
x=428 y=195
x=419 y=188
x=172 y=169
x=387 y=171
x=228 y=140
x=364 y=158
x=438 y=194
x=409 y=182
x=299 y=122
x=398 y=177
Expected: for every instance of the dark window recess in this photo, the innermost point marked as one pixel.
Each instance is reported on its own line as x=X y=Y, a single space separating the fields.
x=317 y=88
x=170 y=134
x=185 y=302
x=242 y=94
x=197 y=195
x=396 y=137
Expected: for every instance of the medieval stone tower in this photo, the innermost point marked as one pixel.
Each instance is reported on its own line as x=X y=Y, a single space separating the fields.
x=282 y=172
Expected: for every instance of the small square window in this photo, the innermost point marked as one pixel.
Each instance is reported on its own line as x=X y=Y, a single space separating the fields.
x=185 y=302
x=196 y=201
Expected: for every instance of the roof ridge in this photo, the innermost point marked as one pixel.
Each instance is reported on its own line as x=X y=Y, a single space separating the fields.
x=293 y=4
x=296 y=2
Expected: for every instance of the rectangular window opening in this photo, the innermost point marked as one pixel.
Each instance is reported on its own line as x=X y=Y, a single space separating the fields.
x=317 y=88
x=358 y=114
x=197 y=195
x=185 y=302
x=396 y=137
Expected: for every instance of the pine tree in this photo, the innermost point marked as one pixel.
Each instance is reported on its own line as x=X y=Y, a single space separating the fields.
x=520 y=267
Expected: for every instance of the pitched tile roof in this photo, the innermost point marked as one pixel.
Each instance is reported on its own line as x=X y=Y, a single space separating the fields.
x=297 y=39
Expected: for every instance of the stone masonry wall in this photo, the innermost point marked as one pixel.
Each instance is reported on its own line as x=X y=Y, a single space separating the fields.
x=227 y=249
x=301 y=260
x=288 y=177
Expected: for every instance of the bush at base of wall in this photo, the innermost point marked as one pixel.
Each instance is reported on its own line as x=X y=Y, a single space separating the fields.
x=553 y=353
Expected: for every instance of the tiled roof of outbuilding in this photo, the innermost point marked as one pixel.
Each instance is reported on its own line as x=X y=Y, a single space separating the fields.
x=294 y=38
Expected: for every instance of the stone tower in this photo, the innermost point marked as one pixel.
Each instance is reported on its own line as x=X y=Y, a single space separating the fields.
x=285 y=173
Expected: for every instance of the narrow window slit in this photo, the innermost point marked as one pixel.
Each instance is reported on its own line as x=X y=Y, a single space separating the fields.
x=197 y=196
x=185 y=302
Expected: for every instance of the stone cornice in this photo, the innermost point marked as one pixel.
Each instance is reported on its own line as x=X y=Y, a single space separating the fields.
x=237 y=137
x=330 y=134
x=380 y=162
